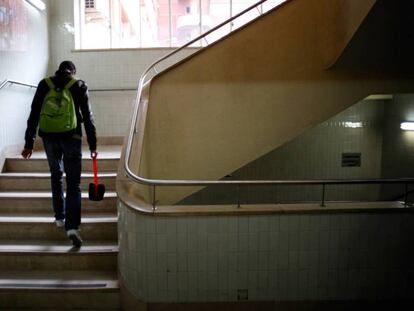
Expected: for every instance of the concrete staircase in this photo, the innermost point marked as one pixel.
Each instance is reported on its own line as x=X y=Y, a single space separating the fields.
x=39 y=269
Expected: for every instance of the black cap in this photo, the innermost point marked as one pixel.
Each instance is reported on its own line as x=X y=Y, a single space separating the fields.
x=67 y=66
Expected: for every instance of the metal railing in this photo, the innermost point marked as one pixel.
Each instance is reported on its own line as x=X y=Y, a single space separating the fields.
x=113 y=90
x=7 y=81
x=146 y=79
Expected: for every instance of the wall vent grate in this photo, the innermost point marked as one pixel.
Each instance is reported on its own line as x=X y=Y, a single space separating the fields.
x=351 y=159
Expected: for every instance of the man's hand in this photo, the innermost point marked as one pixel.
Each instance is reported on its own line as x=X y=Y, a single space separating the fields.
x=94 y=154
x=27 y=153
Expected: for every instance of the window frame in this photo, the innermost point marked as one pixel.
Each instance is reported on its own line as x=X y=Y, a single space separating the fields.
x=80 y=11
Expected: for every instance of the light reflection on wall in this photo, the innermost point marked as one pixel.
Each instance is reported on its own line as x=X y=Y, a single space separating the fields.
x=353 y=125
x=13 y=26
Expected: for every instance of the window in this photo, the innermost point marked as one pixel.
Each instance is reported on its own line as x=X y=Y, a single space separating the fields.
x=89 y=4
x=105 y=24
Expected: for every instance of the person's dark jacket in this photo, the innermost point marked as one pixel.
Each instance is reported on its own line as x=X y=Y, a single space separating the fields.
x=84 y=114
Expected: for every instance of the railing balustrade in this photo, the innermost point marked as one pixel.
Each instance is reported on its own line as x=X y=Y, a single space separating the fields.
x=137 y=128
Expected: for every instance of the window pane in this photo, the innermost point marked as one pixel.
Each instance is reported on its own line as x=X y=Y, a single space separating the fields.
x=214 y=13
x=126 y=23
x=240 y=5
x=270 y=4
x=185 y=21
x=96 y=25
x=154 y=23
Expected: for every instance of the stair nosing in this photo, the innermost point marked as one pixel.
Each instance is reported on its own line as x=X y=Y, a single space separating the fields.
x=50 y=220
x=19 y=158
x=52 y=284
x=43 y=195
x=47 y=175
x=46 y=249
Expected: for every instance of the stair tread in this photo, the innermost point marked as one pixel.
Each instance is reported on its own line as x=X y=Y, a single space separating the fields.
x=30 y=224
x=56 y=248
x=47 y=174
x=43 y=219
x=104 y=152
x=43 y=194
x=59 y=279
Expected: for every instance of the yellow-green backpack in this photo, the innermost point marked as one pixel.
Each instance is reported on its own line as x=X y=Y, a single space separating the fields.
x=58 y=113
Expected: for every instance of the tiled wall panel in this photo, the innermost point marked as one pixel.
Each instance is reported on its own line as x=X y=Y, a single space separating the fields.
x=398 y=147
x=274 y=257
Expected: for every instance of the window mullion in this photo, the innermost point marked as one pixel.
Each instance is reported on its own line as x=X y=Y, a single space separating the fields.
x=82 y=20
x=110 y=25
x=201 y=21
x=231 y=15
x=170 y=21
x=140 y=24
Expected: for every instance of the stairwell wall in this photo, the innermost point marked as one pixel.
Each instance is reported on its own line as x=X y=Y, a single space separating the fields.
x=398 y=147
x=357 y=256
x=24 y=54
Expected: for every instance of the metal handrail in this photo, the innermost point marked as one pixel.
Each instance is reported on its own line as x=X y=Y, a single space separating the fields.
x=7 y=81
x=113 y=90
x=143 y=81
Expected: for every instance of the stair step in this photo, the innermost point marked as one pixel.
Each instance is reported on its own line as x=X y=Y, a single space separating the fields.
x=41 y=165
x=40 y=203
x=16 y=228
x=39 y=267
x=52 y=247
x=41 y=181
x=63 y=290
x=47 y=256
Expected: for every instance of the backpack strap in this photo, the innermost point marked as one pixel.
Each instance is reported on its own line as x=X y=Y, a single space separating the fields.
x=50 y=83
x=70 y=83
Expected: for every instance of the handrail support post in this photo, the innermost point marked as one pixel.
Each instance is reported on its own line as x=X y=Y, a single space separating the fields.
x=238 y=196
x=323 y=196
x=153 y=199
x=405 y=194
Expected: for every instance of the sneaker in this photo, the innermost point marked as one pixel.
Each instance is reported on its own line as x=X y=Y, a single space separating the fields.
x=74 y=235
x=60 y=223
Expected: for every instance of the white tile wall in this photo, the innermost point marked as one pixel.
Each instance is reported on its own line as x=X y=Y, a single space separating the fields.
x=275 y=257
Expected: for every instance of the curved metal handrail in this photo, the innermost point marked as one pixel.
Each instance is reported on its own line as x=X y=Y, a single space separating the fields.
x=7 y=81
x=144 y=80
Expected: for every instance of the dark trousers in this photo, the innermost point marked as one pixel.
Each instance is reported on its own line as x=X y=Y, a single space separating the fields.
x=65 y=154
